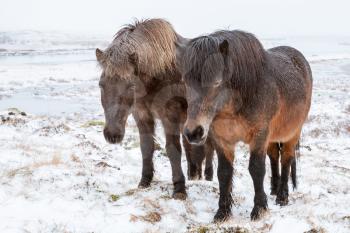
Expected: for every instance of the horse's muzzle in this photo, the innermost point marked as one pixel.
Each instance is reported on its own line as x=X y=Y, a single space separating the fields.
x=113 y=138
x=195 y=136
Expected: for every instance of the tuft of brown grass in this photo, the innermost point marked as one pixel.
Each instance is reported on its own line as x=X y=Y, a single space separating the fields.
x=316 y=230
x=203 y=229
x=315 y=133
x=28 y=149
x=27 y=170
x=103 y=164
x=56 y=160
x=151 y=217
x=52 y=130
x=130 y=192
x=75 y=158
x=217 y=228
x=150 y=203
x=93 y=123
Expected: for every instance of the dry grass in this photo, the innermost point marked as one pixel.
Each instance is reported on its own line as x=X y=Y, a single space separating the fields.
x=56 y=160
x=28 y=149
x=218 y=228
x=93 y=123
x=9 y=120
x=27 y=170
x=52 y=130
x=151 y=217
x=148 y=203
x=316 y=230
x=315 y=133
x=88 y=144
x=75 y=158
x=130 y=192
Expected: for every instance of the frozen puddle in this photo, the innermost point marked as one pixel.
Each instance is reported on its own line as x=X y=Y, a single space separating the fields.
x=27 y=102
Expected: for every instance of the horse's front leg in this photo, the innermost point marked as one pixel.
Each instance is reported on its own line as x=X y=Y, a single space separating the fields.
x=225 y=173
x=145 y=125
x=257 y=171
x=173 y=150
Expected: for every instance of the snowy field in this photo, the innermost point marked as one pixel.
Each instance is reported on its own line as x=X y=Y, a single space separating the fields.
x=57 y=173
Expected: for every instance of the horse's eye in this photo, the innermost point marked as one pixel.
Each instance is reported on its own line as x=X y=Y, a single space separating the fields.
x=131 y=87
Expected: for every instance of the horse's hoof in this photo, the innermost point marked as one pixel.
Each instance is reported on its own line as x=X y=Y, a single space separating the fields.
x=208 y=173
x=180 y=196
x=144 y=184
x=257 y=212
x=222 y=216
x=193 y=177
x=194 y=173
x=282 y=201
x=282 y=198
x=273 y=192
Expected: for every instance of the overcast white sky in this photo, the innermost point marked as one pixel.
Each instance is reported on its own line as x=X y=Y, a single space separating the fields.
x=189 y=17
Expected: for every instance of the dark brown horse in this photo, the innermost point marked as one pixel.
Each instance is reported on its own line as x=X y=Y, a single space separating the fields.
x=237 y=91
x=140 y=78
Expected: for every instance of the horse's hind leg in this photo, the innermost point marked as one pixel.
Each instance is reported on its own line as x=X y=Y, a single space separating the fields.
x=287 y=160
x=195 y=156
x=273 y=152
x=209 y=153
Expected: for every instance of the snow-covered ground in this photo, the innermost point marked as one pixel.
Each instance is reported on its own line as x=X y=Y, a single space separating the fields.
x=57 y=173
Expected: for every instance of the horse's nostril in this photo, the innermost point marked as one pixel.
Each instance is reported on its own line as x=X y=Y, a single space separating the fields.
x=198 y=132
x=196 y=135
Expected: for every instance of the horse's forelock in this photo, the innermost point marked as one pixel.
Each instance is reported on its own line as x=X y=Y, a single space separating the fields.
x=202 y=60
x=151 y=41
x=245 y=60
x=116 y=63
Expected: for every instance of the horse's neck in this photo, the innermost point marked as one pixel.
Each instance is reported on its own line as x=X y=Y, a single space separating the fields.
x=153 y=85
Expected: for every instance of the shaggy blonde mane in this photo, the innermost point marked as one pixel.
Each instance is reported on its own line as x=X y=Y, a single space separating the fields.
x=148 y=44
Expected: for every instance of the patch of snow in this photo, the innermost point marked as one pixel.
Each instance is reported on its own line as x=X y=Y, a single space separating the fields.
x=57 y=173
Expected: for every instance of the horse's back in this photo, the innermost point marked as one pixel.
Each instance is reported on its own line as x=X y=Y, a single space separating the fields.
x=291 y=71
x=292 y=58
x=292 y=76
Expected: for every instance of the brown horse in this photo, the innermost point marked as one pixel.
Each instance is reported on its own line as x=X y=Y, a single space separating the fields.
x=140 y=78
x=238 y=91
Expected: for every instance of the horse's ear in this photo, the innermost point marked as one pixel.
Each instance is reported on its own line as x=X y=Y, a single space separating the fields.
x=100 y=56
x=224 y=47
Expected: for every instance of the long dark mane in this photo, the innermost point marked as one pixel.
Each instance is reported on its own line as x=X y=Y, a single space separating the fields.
x=243 y=65
x=150 y=43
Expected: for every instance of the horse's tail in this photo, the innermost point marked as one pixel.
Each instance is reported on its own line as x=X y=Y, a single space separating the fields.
x=293 y=173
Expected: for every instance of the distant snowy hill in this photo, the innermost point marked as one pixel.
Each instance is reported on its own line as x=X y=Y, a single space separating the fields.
x=36 y=42
x=49 y=43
